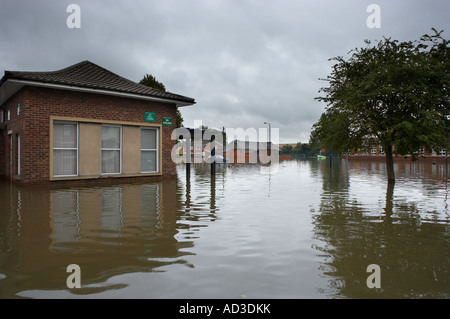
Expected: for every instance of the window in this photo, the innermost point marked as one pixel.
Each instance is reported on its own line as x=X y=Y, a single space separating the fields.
x=9 y=115
x=18 y=109
x=442 y=152
x=2 y=116
x=149 y=150
x=111 y=149
x=65 y=149
x=374 y=151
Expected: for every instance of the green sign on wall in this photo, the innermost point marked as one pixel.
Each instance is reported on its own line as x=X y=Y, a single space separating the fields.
x=167 y=121
x=150 y=117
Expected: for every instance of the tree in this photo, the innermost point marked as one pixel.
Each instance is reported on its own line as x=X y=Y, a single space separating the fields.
x=150 y=81
x=394 y=94
x=179 y=119
x=287 y=148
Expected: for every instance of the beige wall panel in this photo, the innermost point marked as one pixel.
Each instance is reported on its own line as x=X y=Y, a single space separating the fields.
x=90 y=212
x=90 y=149
x=131 y=205
x=131 y=141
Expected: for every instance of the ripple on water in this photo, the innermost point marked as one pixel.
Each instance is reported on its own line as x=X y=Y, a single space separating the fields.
x=301 y=229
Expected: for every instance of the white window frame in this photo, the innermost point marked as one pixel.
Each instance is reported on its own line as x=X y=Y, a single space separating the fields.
x=9 y=115
x=112 y=149
x=67 y=148
x=156 y=129
x=373 y=151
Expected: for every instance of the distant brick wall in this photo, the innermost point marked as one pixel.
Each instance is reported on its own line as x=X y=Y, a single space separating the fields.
x=33 y=124
x=437 y=159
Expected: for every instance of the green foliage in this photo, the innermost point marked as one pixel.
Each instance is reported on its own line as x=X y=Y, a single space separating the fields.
x=394 y=94
x=150 y=81
x=179 y=119
x=304 y=147
x=287 y=148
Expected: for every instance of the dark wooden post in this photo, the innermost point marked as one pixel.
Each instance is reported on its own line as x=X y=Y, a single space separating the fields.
x=213 y=154
x=187 y=155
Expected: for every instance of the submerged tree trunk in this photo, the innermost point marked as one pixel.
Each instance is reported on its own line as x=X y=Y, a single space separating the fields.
x=390 y=164
x=388 y=210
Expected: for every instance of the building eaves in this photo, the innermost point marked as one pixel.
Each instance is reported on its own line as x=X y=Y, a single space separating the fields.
x=87 y=75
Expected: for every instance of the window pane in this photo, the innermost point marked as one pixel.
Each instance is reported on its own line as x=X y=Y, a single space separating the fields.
x=65 y=135
x=110 y=137
x=110 y=162
x=64 y=162
x=148 y=139
x=148 y=161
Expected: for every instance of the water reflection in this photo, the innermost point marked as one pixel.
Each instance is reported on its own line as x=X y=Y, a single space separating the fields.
x=106 y=230
x=300 y=229
x=409 y=241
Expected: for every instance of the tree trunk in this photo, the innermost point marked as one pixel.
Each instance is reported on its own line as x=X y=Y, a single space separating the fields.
x=389 y=203
x=390 y=164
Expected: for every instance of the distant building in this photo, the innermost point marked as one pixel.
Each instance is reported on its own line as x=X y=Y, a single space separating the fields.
x=82 y=123
x=377 y=152
x=280 y=146
x=250 y=152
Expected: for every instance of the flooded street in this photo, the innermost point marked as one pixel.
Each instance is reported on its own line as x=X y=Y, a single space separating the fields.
x=297 y=229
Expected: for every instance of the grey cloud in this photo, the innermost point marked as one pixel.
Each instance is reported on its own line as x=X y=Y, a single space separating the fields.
x=244 y=61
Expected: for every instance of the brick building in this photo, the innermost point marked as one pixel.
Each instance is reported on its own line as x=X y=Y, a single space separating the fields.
x=84 y=123
x=377 y=153
x=251 y=152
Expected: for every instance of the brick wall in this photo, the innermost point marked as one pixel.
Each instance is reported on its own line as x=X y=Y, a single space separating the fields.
x=38 y=104
x=2 y=154
x=15 y=125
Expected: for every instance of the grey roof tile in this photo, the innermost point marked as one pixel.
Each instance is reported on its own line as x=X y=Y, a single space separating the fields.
x=89 y=75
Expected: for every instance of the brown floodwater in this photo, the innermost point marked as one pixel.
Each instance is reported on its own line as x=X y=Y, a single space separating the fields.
x=298 y=229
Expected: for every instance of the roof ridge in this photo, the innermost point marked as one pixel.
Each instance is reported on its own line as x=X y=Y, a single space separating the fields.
x=90 y=75
x=48 y=72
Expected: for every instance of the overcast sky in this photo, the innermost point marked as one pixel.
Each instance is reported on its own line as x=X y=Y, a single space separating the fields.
x=245 y=62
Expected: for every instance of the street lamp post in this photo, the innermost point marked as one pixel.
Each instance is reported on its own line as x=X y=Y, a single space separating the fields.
x=269 y=131
x=269 y=144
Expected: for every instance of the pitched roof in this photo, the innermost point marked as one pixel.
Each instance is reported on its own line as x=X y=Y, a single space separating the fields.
x=88 y=75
